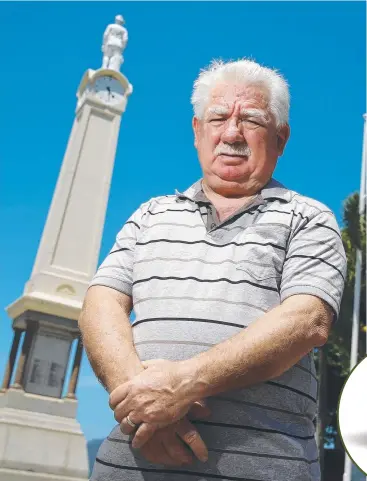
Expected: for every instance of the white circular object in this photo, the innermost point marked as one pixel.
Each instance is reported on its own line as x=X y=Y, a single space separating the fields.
x=352 y=415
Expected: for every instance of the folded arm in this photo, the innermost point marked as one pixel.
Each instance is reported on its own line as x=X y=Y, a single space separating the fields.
x=107 y=336
x=108 y=341
x=164 y=392
x=265 y=349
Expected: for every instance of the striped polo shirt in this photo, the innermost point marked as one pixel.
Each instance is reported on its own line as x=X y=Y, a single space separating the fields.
x=195 y=282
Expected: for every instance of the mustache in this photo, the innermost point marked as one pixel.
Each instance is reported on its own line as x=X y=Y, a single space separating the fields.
x=233 y=149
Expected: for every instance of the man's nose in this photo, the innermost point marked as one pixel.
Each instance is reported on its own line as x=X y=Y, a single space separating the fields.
x=232 y=133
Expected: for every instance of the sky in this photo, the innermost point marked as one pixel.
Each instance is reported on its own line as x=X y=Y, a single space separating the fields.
x=46 y=48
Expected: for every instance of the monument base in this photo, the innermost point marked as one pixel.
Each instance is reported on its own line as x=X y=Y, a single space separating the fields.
x=17 y=475
x=37 y=446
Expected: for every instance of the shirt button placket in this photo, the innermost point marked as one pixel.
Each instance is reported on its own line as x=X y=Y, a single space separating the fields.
x=211 y=224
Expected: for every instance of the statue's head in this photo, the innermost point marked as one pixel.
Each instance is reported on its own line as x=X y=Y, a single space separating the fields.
x=119 y=19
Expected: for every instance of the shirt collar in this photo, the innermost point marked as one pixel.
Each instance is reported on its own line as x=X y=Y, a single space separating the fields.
x=193 y=193
x=275 y=190
x=272 y=190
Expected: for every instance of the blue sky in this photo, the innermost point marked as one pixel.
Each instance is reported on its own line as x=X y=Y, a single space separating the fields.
x=318 y=46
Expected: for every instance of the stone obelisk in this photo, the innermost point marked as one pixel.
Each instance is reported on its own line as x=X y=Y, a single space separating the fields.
x=40 y=438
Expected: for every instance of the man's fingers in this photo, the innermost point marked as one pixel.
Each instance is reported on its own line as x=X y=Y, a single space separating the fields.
x=192 y=438
x=121 y=411
x=118 y=395
x=143 y=434
x=125 y=427
x=156 y=453
x=176 y=450
x=199 y=410
x=165 y=448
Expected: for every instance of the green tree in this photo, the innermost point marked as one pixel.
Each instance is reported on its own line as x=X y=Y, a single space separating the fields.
x=334 y=359
x=354 y=237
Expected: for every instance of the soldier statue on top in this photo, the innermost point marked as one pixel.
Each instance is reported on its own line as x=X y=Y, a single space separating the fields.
x=114 y=42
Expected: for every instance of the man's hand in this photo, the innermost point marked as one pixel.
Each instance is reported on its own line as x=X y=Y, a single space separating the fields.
x=158 y=396
x=166 y=447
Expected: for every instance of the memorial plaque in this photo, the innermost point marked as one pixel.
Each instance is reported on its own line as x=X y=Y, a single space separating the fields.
x=47 y=364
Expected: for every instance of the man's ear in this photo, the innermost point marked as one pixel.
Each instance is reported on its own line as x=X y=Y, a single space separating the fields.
x=282 y=138
x=195 y=128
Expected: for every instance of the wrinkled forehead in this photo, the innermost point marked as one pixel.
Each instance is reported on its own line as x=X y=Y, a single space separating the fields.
x=229 y=96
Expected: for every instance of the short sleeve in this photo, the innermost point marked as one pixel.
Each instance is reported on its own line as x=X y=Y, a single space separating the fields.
x=116 y=271
x=316 y=262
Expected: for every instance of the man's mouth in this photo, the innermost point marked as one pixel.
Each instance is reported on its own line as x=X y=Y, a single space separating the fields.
x=233 y=155
x=233 y=159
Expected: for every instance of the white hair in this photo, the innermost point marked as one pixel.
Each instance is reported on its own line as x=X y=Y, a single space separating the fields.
x=245 y=72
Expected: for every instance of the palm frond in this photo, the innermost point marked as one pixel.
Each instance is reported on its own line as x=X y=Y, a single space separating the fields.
x=351 y=219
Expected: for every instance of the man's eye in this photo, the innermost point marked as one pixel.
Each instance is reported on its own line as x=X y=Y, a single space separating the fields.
x=216 y=120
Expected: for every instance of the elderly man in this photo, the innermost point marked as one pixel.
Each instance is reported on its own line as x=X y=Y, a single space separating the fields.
x=233 y=283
